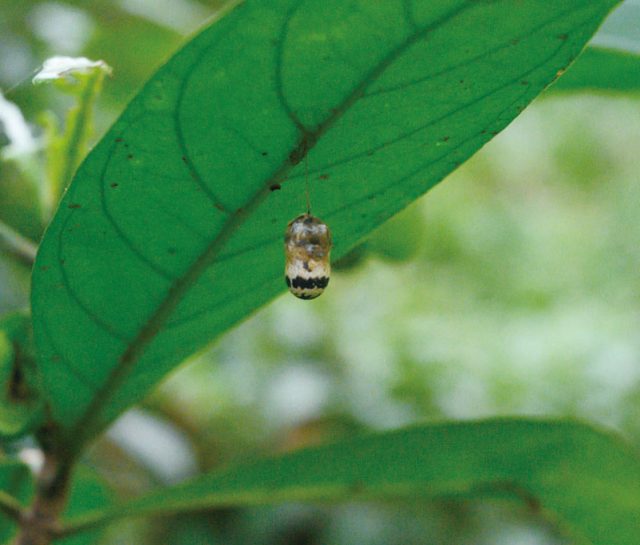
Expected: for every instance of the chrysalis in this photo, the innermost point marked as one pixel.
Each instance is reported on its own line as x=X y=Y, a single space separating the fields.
x=307 y=244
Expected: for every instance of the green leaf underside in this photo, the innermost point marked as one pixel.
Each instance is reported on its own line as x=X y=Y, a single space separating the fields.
x=586 y=480
x=170 y=233
x=602 y=70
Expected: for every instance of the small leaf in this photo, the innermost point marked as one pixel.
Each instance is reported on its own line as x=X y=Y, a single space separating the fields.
x=21 y=403
x=586 y=479
x=17 y=481
x=172 y=230
x=66 y=148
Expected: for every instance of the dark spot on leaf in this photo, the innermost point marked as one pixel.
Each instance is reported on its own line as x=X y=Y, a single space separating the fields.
x=445 y=138
x=483 y=131
x=524 y=82
x=370 y=153
x=563 y=37
x=130 y=156
x=461 y=81
x=275 y=187
x=495 y=133
x=74 y=205
x=119 y=140
x=62 y=261
x=264 y=153
x=184 y=159
x=219 y=207
x=324 y=176
x=114 y=185
x=172 y=251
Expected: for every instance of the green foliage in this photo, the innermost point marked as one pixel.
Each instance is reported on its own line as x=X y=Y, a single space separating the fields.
x=65 y=148
x=555 y=467
x=88 y=493
x=15 y=481
x=21 y=405
x=605 y=70
x=171 y=232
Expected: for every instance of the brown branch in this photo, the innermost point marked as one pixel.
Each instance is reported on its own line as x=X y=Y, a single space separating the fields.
x=40 y=524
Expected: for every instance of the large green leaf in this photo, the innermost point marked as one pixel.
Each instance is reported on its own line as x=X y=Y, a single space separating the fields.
x=586 y=479
x=172 y=230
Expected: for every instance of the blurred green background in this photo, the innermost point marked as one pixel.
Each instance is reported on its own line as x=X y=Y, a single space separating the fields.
x=511 y=288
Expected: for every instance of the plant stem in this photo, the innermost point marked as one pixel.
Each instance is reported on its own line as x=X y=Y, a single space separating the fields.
x=17 y=245
x=39 y=525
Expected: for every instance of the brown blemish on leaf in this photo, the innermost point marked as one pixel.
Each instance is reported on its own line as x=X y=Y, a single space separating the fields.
x=324 y=176
x=275 y=187
x=114 y=185
x=74 y=205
